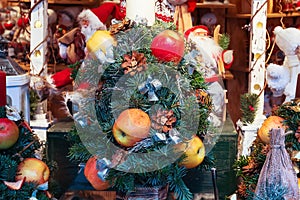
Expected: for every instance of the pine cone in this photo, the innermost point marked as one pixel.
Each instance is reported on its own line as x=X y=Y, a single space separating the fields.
x=203 y=98
x=251 y=168
x=265 y=149
x=242 y=189
x=122 y=26
x=163 y=120
x=297 y=134
x=134 y=63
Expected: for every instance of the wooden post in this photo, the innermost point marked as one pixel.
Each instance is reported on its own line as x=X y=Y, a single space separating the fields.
x=257 y=51
x=38 y=34
x=248 y=132
x=38 y=64
x=297 y=95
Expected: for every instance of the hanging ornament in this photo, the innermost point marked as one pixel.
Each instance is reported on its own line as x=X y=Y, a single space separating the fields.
x=1 y=29
x=9 y=24
x=23 y=21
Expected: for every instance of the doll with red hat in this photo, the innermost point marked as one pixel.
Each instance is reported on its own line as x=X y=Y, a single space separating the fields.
x=94 y=19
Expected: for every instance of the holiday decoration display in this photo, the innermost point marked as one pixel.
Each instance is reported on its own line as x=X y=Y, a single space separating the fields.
x=168 y=46
x=277 y=177
x=33 y=170
x=266 y=127
x=9 y=133
x=151 y=98
x=131 y=126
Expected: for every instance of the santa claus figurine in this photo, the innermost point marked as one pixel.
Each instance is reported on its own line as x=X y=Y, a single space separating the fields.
x=92 y=20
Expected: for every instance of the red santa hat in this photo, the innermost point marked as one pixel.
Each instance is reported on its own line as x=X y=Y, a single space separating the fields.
x=199 y=30
x=100 y=15
x=61 y=78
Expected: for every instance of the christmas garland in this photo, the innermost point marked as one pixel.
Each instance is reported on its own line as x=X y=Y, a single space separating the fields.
x=159 y=89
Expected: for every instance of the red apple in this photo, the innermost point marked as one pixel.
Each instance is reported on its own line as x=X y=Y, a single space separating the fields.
x=168 y=46
x=91 y=174
x=9 y=24
x=9 y=133
x=34 y=170
x=131 y=126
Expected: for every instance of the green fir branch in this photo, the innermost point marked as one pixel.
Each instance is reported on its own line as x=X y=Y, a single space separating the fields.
x=249 y=103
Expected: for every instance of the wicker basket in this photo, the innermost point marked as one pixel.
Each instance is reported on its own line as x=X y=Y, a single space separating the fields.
x=145 y=193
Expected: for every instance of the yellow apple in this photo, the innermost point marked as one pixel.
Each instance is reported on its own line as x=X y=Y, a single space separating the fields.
x=131 y=126
x=34 y=170
x=194 y=150
x=90 y=172
x=270 y=123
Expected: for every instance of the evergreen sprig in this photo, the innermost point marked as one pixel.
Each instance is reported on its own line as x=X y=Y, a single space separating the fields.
x=290 y=112
x=249 y=103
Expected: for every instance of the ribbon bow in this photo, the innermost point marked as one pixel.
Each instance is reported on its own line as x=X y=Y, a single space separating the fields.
x=42 y=187
x=150 y=85
x=103 y=168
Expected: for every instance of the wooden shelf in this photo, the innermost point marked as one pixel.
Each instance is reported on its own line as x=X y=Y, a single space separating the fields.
x=66 y=2
x=270 y=15
x=215 y=5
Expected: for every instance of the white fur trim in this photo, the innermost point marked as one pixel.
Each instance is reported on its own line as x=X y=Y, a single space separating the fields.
x=278 y=76
x=287 y=39
x=94 y=21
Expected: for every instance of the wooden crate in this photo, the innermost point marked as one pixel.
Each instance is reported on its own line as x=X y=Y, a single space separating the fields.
x=89 y=194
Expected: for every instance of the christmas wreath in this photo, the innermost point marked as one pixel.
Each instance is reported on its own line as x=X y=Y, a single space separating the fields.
x=140 y=117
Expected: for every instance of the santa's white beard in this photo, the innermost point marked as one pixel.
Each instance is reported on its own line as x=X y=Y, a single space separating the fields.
x=87 y=31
